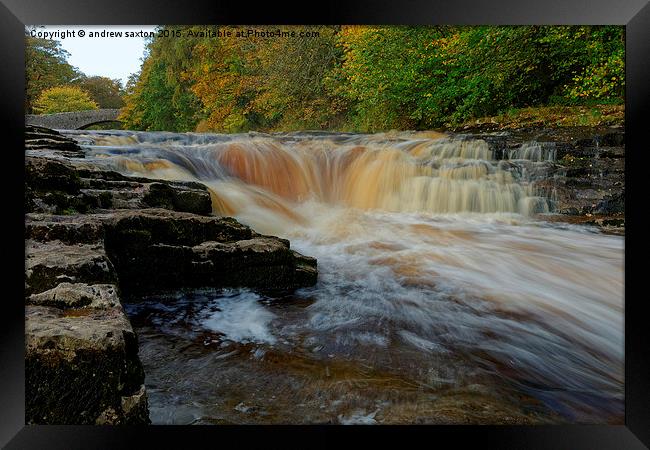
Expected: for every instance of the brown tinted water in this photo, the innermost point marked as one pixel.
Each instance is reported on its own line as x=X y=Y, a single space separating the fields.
x=444 y=296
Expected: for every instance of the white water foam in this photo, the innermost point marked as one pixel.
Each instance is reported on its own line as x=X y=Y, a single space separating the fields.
x=240 y=318
x=359 y=417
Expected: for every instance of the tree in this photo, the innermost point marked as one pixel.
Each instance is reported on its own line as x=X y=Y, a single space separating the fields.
x=294 y=87
x=368 y=78
x=254 y=82
x=388 y=72
x=602 y=76
x=63 y=99
x=46 y=66
x=423 y=77
x=159 y=97
x=149 y=101
x=105 y=92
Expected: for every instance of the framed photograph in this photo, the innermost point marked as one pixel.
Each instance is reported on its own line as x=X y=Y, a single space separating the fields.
x=390 y=220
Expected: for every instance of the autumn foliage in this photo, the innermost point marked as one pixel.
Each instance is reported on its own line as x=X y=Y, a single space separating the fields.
x=370 y=78
x=63 y=99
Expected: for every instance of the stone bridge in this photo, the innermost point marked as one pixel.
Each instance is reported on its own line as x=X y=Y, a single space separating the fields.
x=77 y=120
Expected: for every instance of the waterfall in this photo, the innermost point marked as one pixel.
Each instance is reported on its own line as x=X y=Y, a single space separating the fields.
x=431 y=271
x=534 y=151
x=398 y=173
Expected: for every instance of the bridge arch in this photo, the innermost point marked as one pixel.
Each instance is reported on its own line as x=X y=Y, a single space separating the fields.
x=88 y=125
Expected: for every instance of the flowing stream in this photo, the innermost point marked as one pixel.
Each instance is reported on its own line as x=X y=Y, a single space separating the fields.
x=443 y=294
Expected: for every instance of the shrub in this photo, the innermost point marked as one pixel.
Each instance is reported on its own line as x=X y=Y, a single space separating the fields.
x=63 y=99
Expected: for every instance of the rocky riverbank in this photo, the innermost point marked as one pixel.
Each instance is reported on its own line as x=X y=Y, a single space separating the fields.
x=94 y=238
x=584 y=181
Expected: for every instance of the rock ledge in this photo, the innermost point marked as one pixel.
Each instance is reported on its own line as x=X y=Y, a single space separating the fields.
x=95 y=238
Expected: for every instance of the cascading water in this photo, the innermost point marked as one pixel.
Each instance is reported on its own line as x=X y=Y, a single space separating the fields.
x=439 y=289
x=533 y=151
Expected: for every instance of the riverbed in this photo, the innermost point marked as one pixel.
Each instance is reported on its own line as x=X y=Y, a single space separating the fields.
x=444 y=295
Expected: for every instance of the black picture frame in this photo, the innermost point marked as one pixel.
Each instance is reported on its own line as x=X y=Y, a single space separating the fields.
x=634 y=14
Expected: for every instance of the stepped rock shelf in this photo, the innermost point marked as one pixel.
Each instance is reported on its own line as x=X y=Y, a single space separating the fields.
x=94 y=238
x=585 y=183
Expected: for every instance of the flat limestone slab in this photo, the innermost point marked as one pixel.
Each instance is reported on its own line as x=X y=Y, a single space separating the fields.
x=48 y=264
x=78 y=295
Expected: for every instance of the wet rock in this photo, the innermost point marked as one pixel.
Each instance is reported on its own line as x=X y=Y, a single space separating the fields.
x=39 y=138
x=588 y=175
x=135 y=407
x=613 y=139
x=195 y=251
x=135 y=410
x=573 y=211
x=49 y=174
x=611 y=152
x=53 y=185
x=48 y=143
x=614 y=224
x=195 y=199
x=171 y=227
x=48 y=264
x=607 y=224
x=68 y=229
x=90 y=172
x=78 y=295
x=159 y=249
x=60 y=186
x=563 y=149
x=82 y=368
x=91 y=234
x=612 y=204
x=305 y=269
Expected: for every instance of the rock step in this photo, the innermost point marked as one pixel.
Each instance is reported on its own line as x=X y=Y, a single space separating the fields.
x=175 y=227
x=68 y=229
x=77 y=295
x=57 y=186
x=82 y=367
x=157 y=249
x=39 y=139
x=49 y=263
x=264 y=262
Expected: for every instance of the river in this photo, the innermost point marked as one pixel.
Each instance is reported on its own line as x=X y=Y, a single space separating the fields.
x=444 y=295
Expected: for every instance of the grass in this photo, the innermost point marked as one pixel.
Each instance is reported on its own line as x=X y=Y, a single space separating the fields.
x=68 y=211
x=551 y=116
